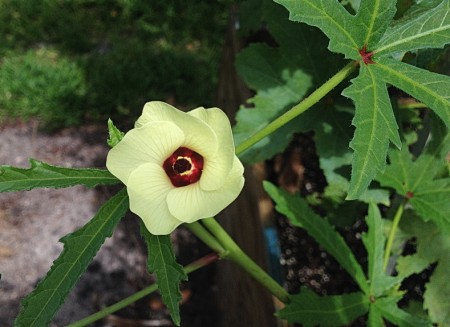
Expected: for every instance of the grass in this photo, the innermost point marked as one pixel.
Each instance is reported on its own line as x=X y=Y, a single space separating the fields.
x=66 y=62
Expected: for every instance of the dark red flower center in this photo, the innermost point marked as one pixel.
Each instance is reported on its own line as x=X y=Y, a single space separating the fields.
x=184 y=167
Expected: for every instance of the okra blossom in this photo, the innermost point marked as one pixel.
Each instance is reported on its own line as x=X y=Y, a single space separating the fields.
x=178 y=167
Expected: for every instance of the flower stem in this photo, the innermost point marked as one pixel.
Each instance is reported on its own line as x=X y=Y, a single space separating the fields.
x=300 y=108
x=238 y=256
x=206 y=237
x=204 y=261
x=392 y=232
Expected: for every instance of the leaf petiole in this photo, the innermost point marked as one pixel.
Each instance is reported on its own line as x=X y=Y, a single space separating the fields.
x=392 y=232
x=300 y=108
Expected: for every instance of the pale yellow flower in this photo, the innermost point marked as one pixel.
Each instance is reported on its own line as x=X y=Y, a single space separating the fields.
x=178 y=167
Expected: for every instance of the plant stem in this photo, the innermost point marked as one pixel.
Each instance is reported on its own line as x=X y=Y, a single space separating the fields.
x=204 y=261
x=206 y=237
x=238 y=256
x=392 y=232
x=300 y=108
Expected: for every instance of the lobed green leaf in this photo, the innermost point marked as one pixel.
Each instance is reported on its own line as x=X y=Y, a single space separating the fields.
x=332 y=18
x=427 y=87
x=429 y=29
x=301 y=215
x=169 y=274
x=80 y=247
x=437 y=292
x=373 y=18
x=44 y=175
x=375 y=127
x=416 y=180
x=387 y=306
x=433 y=247
x=310 y=309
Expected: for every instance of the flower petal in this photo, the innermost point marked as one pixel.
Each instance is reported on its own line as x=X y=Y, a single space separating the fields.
x=199 y=136
x=153 y=142
x=191 y=203
x=217 y=167
x=147 y=188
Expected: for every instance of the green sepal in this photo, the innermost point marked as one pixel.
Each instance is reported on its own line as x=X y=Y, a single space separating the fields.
x=115 y=135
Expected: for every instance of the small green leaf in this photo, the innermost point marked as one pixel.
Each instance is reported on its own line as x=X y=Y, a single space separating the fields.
x=80 y=247
x=416 y=181
x=44 y=175
x=169 y=274
x=427 y=87
x=310 y=309
x=375 y=127
x=387 y=306
x=115 y=135
x=301 y=215
x=374 y=241
x=429 y=29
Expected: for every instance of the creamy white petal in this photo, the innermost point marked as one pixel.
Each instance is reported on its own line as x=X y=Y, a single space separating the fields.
x=191 y=203
x=153 y=142
x=200 y=137
x=217 y=167
x=156 y=111
x=148 y=187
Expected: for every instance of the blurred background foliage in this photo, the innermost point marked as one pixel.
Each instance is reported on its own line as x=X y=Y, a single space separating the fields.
x=67 y=62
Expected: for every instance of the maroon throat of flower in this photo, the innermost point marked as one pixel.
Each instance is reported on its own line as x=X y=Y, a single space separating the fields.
x=183 y=167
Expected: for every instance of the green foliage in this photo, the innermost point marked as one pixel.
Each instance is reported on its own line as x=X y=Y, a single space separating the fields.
x=374 y=241
x=111 y=56
x=375 y=127
x=421 y=182
x=39 y=306
x=418 y=30
x=162 y=261
x=44 y=175
x=433 y=247
x=388 y=308
x=282 y=76
x=300 y=215
x=379 y=294
x=311 y=310
x=367 y=38
x=41 y=83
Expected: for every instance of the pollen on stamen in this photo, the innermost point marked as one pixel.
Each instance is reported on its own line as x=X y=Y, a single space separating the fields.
x=183 y=167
